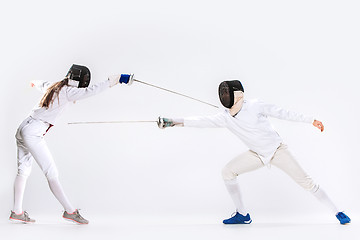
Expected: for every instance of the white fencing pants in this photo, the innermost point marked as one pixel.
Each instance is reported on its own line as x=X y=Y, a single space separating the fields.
x=282 y=159
x=32 y=146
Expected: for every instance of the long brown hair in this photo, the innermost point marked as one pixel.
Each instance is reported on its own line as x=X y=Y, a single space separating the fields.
x=49 y=97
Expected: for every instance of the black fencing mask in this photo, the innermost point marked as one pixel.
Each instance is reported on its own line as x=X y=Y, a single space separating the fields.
x=226 y=92
x=79 y=76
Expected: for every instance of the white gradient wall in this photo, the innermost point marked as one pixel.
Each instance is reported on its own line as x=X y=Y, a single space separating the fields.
x=301 y=55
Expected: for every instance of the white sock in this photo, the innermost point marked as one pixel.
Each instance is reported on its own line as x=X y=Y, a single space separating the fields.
x=58 y=192
x=323 y=198
x=234 y=191
x=19 y=189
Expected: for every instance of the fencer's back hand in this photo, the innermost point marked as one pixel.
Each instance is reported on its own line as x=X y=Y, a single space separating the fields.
x=165 y=122
x=319 y=125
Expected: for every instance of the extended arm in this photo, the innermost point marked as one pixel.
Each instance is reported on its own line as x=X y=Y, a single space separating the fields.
x=40 y=85
x=74 y=94
x=277 y=112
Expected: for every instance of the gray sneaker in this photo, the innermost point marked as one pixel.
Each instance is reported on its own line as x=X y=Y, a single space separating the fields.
x=23 y=218
x=75 y=217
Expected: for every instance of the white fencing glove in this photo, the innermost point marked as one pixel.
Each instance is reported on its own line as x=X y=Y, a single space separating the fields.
x=126 y=78
x=165 y=122
x=168 y=122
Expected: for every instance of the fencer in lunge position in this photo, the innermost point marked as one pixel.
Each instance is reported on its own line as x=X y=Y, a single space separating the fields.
x=248 y=120
x=30 y=135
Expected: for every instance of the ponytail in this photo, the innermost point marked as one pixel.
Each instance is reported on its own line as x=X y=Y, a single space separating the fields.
x=49 y=97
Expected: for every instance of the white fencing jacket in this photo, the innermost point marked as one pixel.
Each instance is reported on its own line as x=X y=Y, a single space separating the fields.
x=251 y=125
x=67 y=94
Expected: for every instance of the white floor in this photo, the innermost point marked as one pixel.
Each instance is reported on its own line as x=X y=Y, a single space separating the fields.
x=184 y=227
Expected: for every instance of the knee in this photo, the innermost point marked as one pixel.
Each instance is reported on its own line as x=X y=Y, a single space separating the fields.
x=23 y=174
x=308 y=184
x=51 y=173
x=24 y=171
x=228 y=174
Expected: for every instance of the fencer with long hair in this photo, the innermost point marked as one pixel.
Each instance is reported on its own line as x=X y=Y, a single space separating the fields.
x=30 y=135
x=248 y=120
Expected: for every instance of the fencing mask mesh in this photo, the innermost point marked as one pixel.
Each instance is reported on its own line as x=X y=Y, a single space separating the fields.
x=226 y=92
x=79 y=76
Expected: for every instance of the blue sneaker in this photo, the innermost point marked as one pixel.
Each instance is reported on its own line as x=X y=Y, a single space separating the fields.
x=238 y=219
x=343 y=218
